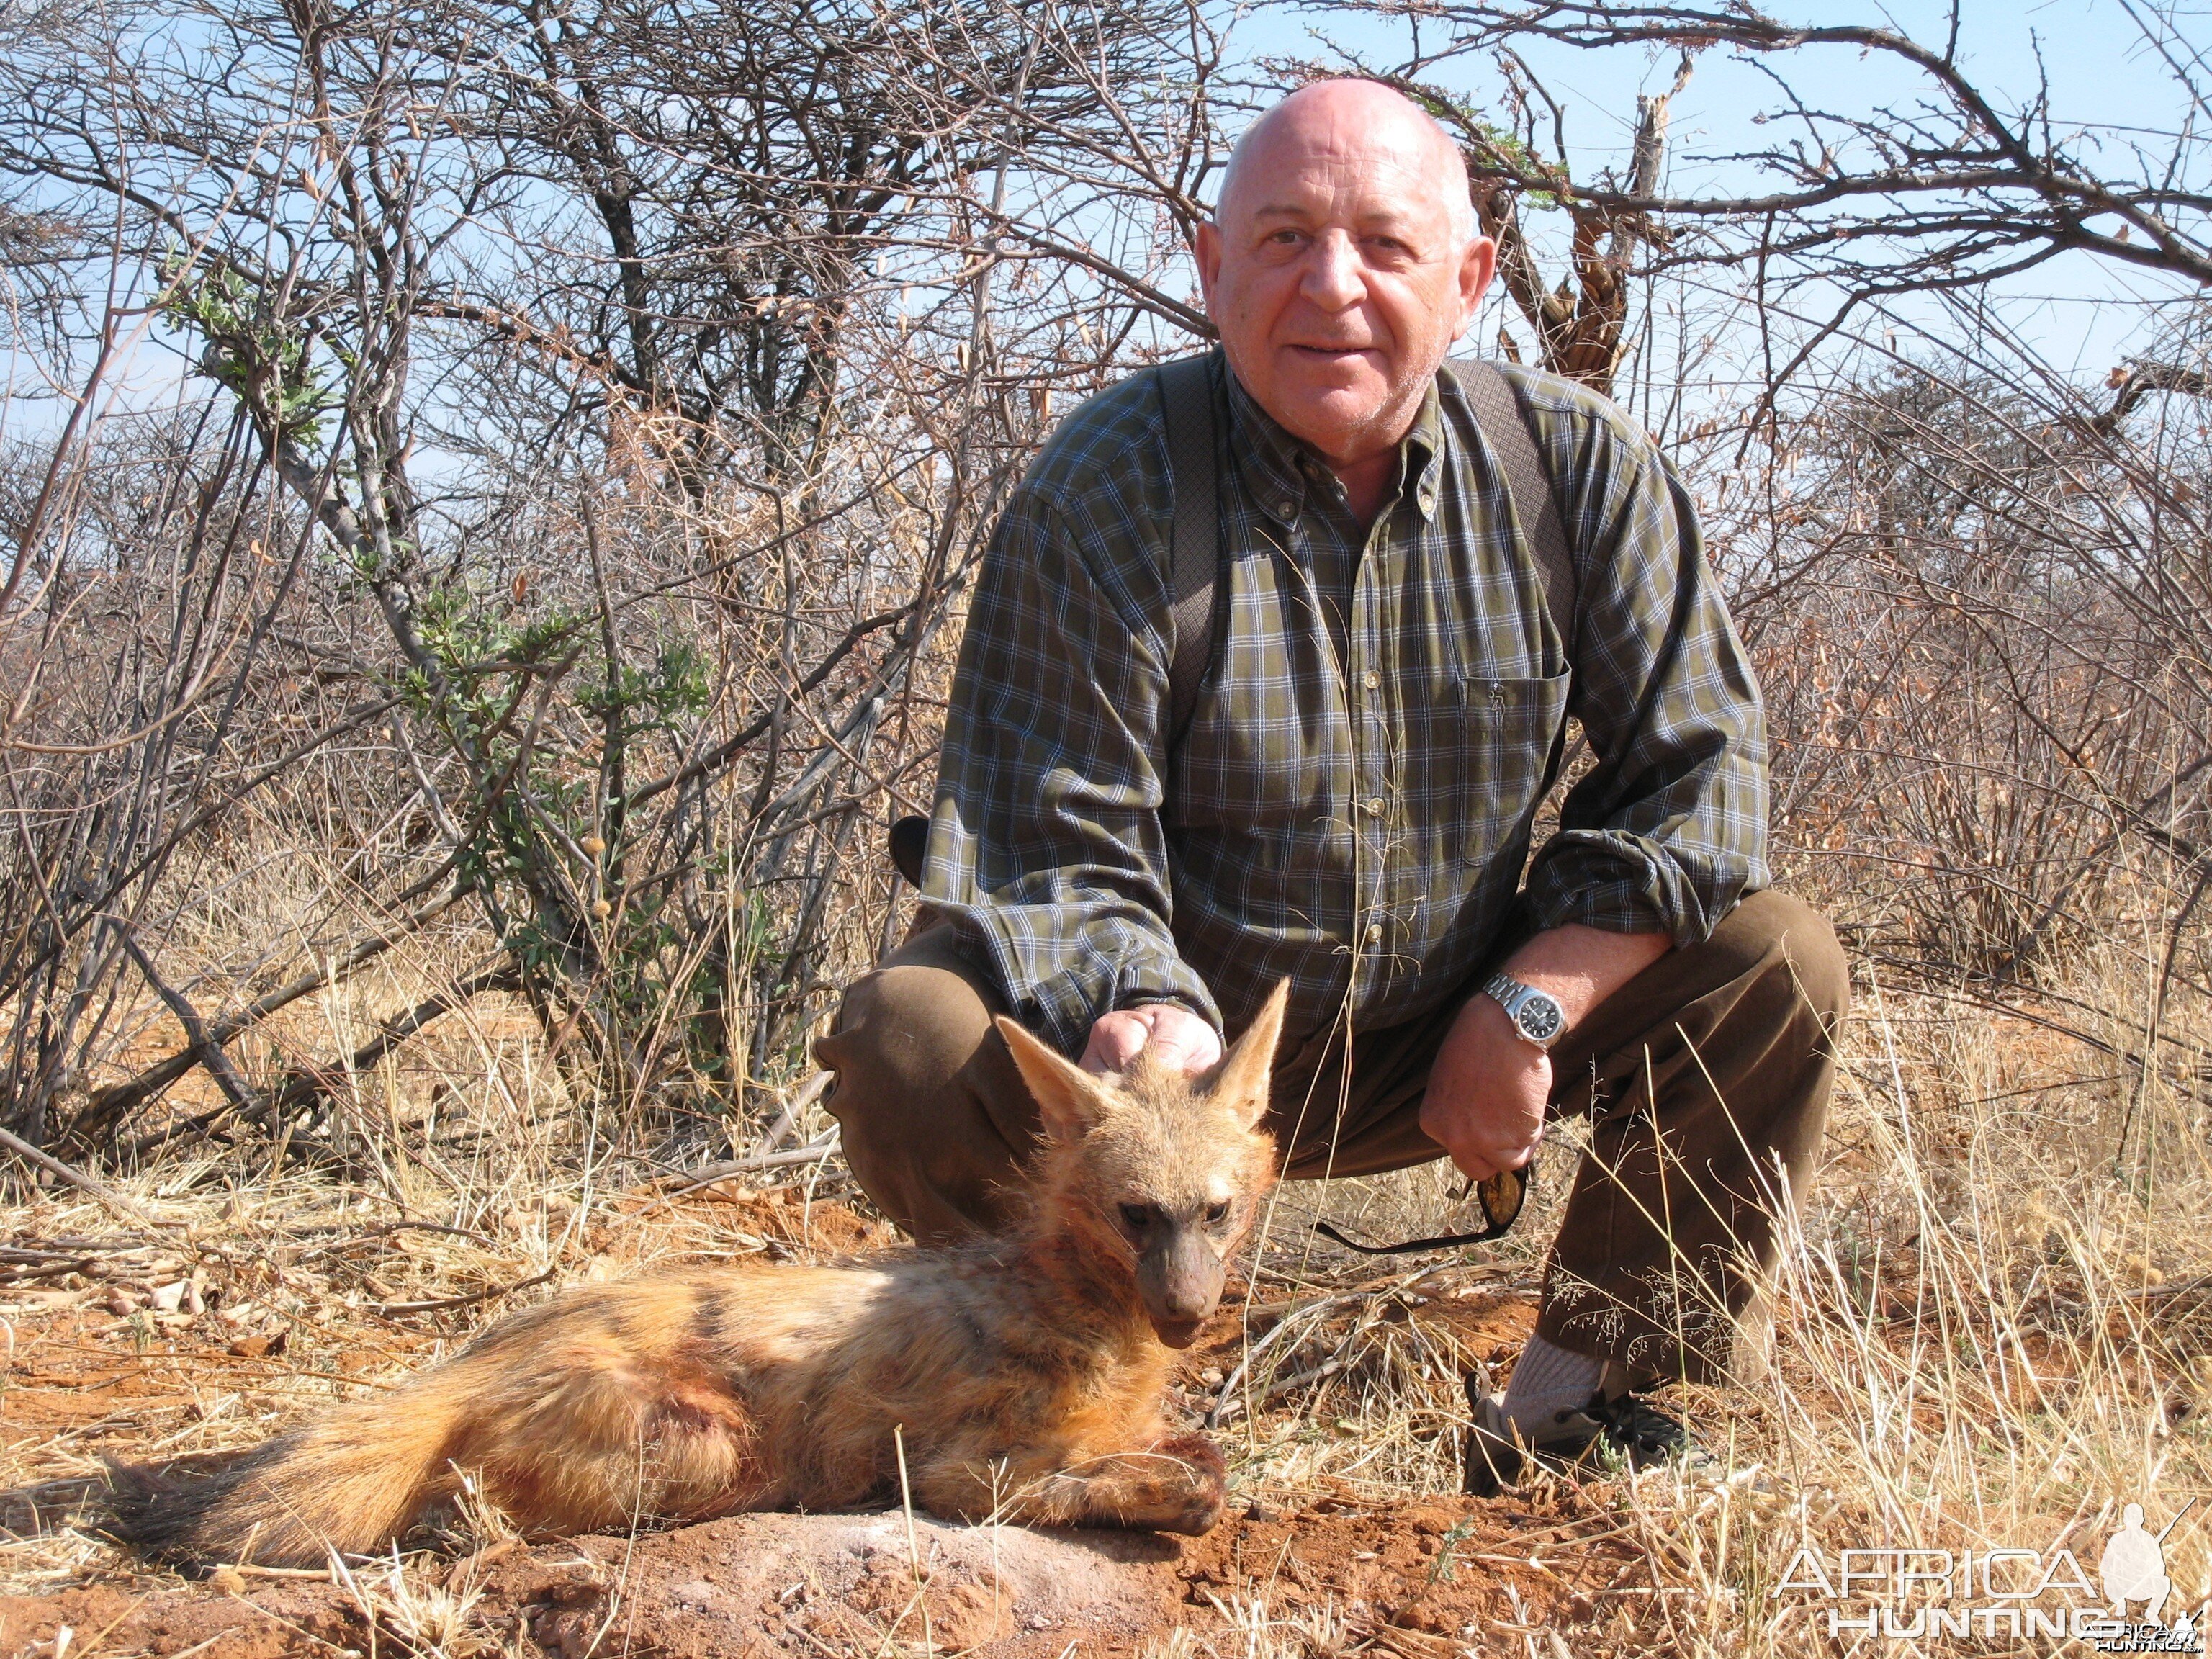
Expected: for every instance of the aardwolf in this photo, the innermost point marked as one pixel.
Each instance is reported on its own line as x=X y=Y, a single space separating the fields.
x=1024 y=1371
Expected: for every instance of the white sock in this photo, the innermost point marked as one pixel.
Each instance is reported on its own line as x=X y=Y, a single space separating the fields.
x=1546 y=1380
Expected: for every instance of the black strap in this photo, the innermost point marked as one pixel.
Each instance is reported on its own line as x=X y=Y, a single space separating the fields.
x=909 y=845
x=1505 y=425
x=1186 y=393
x=1501 y=1196
x=1185 y=388
x=1414 y=1246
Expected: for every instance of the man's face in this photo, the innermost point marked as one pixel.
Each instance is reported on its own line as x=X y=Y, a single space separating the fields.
x=1333 y=271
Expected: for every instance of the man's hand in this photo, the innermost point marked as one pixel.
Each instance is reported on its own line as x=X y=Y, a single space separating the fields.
x=1484 y=1102
x=1487 y=1091
x=1179 y=1040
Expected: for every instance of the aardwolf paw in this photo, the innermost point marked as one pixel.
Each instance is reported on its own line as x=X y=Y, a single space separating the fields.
x=1204 y=1484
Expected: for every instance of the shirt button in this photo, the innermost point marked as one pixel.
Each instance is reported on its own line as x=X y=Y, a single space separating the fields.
x=1374 y=932
x=1375 y=806
x=1287 y=509
x=1371 y=679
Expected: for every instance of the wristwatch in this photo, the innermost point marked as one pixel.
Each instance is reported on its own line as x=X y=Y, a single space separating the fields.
x=1535 y=1014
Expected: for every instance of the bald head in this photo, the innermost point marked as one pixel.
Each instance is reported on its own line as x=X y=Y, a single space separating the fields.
x=1340 y=265
x=1364 y=121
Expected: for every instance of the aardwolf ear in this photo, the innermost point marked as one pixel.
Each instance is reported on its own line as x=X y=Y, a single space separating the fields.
x=1071 y=1100
x=1241 y=1085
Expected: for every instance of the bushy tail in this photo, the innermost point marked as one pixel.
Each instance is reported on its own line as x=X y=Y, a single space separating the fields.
x=352 y=1482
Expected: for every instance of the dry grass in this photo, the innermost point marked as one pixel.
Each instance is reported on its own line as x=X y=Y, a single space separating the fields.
x=1993 y=1328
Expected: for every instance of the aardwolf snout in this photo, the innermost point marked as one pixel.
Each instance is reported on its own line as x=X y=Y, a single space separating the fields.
x=1180 y=1277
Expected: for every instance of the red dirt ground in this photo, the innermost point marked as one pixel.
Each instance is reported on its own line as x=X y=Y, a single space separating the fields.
x=1422 y=1579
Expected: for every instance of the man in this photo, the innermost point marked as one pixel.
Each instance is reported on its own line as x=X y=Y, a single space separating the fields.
x=1350 y=805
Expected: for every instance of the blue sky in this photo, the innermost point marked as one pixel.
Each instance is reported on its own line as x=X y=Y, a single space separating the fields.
x=2106 y=79
x=2101 y=72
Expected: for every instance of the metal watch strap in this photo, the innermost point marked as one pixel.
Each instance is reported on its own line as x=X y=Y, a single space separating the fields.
x=1510 y=993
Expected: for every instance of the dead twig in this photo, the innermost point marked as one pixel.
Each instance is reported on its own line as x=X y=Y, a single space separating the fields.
x=77 y=1178
x=813 y=1152
x=488 y=1294
x=305 y=1087
x=204 y=1048
x=109 y=1106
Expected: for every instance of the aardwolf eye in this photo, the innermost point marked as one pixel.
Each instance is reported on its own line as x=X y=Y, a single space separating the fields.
x=1217 y=1214
x=1136 y=1217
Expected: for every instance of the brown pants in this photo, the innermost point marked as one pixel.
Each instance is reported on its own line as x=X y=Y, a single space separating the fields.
x=1705 y=1077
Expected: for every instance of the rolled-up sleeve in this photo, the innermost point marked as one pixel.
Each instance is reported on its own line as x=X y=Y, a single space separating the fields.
x=1668 y=829
x=1046 y=851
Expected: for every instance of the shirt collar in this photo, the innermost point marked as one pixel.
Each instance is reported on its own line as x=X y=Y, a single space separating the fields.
x=1423 y=444
x=1278 y=468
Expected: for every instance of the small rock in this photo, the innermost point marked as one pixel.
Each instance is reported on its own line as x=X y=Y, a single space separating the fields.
x=577 y=1588
x=260 y=1347
x=122 y=1303
x=167 y=1298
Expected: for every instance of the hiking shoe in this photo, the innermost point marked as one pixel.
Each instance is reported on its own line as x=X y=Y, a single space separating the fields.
x=1606 y=1436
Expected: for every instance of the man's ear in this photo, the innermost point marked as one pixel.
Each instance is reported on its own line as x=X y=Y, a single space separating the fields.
x=1070 y=1100
x=1478 y=266
x=1207 y=253
x=1242 y=1083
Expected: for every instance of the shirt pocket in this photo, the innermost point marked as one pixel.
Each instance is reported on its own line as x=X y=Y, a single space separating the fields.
x=1499 y=755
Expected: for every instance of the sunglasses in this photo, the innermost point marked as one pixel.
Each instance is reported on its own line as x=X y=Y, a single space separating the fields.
x=1501 y=1196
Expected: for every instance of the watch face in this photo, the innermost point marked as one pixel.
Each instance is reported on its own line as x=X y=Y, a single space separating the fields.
x=1539 y=1019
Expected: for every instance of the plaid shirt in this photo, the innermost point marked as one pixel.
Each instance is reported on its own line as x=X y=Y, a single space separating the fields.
x=1351 y=803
